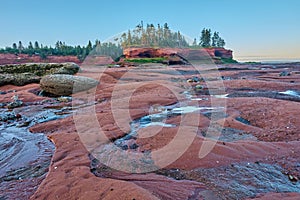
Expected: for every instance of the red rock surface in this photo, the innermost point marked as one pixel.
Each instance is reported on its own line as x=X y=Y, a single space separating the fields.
x=273 y=122
x=98 y=60
x=25 y=58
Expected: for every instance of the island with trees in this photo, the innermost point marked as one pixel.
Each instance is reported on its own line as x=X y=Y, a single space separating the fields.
x=141 y=37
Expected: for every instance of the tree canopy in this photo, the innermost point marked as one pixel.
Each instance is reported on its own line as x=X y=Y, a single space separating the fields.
x=159 y=36
x=209 y=40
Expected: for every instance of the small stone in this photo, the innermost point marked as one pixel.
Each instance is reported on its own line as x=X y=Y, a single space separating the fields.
x=293 y=178
x=198 y=87
x=15 y=104
x=196 y=79
x=64 y=99
x=124 y=147
x=25 y=124
x=284 y=73
x=133 y=146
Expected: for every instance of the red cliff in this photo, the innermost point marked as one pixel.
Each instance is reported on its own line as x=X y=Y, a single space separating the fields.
x=186 y=53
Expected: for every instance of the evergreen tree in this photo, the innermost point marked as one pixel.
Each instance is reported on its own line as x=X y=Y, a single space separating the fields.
x=220 y=43
x=195 y=42
x=166 y=32
x=123 y=40
x=36 y=45
x=14 y=46
x=97 y=43
x=58 y=45
x=159 y=34
x=20 y=47
x=129 y=39
x=215 y=39
x=89 y=47
x=205 y=39
x=30 y=46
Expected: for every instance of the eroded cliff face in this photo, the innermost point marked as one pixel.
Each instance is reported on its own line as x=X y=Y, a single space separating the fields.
x=186 y=53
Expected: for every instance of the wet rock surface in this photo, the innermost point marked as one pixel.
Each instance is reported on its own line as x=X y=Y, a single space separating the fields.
x=255 y=135
x=24 y=157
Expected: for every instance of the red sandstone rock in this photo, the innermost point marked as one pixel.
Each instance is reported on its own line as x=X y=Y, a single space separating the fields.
x=188 y=54
x=69 y=174
x=25 y=58
x=98 y=60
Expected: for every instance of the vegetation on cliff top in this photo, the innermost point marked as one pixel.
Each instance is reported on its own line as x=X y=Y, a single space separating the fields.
x=140 y=36
x=162 y=36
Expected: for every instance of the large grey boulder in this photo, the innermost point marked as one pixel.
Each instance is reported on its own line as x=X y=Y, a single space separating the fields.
x=64 y=85
x=22 y=74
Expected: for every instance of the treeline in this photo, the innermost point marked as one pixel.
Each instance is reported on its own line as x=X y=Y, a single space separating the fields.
x=62 y=49
x=149 y=35
x=160 y=36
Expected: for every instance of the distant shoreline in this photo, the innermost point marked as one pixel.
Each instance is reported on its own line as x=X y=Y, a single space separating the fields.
x=267 y=60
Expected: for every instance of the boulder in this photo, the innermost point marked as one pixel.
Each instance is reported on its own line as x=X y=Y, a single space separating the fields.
x=65 y=85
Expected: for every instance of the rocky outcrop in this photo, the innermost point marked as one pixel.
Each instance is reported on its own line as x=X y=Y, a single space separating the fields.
x=40 y=69
x=22 y=74
x=184 y=53
x=220 y=52
x=64 y=85
x=18 y=79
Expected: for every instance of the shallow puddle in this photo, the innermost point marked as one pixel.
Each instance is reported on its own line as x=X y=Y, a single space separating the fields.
x=24 y=156
x=291 y=93
x=22 y=151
